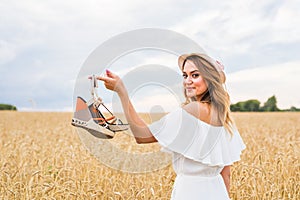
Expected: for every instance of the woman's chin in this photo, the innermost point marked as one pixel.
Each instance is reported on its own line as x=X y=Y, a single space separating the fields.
x=189 y=95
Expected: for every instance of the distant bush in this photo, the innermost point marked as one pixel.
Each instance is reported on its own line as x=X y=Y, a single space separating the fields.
x=246 y=106
x=292 y=109
x=7 y=107
x=270 y=105
x=253 y=105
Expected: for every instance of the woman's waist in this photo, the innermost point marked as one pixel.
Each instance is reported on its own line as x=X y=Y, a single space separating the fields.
x=190 y=167
x=202 y=171
x=198 y=176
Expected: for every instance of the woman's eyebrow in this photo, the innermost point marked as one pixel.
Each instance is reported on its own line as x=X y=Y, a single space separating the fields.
x=191 y=71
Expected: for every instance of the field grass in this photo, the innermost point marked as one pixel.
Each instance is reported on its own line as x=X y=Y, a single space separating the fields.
x=42 y=157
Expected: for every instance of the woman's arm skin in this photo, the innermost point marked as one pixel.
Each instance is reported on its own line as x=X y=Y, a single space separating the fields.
x=226 y=177
x=138 y=127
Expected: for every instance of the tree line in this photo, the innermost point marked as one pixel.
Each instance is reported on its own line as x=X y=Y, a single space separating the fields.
x=253 y=105
x=7 y=107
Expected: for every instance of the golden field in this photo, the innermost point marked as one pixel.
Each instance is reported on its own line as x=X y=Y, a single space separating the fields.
x=42 y=157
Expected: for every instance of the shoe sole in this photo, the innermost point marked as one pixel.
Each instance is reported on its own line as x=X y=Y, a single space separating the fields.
x=93 y=128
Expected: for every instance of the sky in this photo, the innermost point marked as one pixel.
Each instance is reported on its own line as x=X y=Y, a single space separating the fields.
x=44 y=45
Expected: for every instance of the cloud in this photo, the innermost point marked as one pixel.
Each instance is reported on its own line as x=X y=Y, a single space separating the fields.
x=150 y=98
x=281 y=80
x=44 y=43
x=240 y=33
x=7 y=52
x=283 y=23
x=164 y=99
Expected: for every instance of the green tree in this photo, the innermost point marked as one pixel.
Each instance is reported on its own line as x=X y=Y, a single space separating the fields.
x=246 y=106
x=294 y=109
x=7 y=107
x=251 y=105
x=270 y=104
x=236 y=107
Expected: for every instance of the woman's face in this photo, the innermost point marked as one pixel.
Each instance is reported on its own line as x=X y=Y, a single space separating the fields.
x=193 y=82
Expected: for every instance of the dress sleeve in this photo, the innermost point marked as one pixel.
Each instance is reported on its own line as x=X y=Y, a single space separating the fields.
x=182 y=133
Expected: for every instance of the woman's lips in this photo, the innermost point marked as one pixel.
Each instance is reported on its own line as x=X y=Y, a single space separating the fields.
x=189 y=88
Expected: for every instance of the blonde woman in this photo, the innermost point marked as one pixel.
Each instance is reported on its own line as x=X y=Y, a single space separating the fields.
x=201 y=134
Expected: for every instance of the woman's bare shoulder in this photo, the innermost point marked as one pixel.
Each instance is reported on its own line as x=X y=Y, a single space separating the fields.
x=198 y=109
x=203 y=112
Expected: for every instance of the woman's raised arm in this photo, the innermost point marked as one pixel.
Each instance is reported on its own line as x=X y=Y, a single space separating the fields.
x=138 y=127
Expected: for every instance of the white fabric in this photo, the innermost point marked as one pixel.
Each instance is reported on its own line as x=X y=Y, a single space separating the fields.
x=200 y=152
x=196 y=180
x=199 y=188
x=183 y=133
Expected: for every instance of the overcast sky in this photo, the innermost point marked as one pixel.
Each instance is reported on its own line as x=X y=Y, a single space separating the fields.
x=43 y=45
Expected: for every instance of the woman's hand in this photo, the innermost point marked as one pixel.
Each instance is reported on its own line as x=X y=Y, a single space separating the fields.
x=225 y=173
x=138 y=127
x=112 y=82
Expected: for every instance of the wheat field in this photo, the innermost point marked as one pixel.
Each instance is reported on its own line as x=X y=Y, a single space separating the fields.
x=42 y=157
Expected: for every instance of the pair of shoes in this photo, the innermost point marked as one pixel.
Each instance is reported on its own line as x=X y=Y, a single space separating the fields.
x=89 y=117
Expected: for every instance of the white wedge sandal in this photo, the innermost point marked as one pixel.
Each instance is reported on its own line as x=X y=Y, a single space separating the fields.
x=88 y=116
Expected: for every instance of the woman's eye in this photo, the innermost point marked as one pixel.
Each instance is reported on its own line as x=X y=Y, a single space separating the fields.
x=195 y=75
x=184 y=76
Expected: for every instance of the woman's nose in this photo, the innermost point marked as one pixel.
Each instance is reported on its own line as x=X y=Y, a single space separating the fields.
x=188 y=80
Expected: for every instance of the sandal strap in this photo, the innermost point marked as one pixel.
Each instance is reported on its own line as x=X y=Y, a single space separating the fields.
x=103 y=120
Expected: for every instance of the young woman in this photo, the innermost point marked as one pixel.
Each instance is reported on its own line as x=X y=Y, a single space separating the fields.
x=201 y=134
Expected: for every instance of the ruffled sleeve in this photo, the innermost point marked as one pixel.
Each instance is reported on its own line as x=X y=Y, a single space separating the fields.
x=183 y=133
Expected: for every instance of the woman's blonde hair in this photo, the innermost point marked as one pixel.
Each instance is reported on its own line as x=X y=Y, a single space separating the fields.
x=216 y=94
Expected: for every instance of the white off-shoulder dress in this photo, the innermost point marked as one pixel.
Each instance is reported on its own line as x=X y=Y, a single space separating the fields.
x=200 y=152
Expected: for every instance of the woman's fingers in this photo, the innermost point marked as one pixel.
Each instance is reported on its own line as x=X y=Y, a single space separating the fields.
x=106 y=79
x=111 y=81
x=103 y=78
x=111 y=75
x=108 y=82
